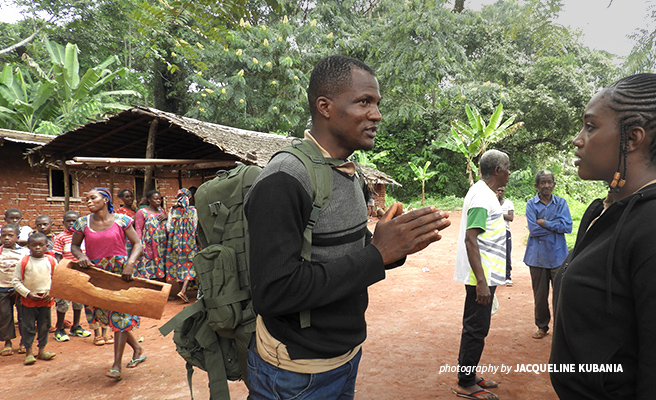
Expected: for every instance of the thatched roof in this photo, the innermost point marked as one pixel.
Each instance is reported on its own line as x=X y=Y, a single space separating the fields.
x=23 y=137
x=124 y=135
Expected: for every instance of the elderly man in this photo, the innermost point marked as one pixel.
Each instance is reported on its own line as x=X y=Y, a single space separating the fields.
x=548 y=219
x=481 y=267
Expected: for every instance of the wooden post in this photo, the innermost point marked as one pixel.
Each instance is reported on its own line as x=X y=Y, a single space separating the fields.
x=179 y=179
x=67 y=187
x=112 y=176
x=150 y=153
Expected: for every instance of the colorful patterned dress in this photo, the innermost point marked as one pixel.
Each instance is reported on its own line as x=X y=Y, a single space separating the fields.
x=152 y=233
x=182 y=247
x=126 y=211
x=129 y=213
x=106 y=250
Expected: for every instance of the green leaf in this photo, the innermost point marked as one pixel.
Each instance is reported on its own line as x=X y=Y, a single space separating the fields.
x=72 y=66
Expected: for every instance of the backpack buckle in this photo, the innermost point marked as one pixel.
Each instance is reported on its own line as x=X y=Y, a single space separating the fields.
x=214 y=208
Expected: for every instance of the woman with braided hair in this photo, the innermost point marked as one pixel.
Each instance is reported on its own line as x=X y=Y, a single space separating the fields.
x=104 y=233
x=604 y=342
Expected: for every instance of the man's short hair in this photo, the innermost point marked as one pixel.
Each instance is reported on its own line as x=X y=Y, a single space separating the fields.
x=544 y=172
x=330 y=76
x=492 y=159
x=37 y=236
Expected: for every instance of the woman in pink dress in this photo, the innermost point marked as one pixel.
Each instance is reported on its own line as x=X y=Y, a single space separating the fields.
x=150 y=224
x=104 y=234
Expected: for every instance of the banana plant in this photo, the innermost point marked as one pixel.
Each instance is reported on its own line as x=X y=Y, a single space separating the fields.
x=422 y=175
x=73 y=89
x=23 y=101
x=473 y=140
x=369 y=161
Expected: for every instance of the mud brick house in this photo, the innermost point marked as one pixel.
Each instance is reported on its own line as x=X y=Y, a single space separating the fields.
x=138 y=149
x=21 y=186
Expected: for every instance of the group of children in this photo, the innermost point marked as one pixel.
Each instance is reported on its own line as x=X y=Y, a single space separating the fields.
x=27 y=262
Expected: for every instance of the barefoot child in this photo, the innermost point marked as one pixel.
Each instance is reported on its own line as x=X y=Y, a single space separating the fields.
x=62 y=249
x=32 y=280
x=10 y=255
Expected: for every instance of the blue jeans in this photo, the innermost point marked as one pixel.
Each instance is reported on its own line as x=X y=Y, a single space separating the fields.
x=267 y=382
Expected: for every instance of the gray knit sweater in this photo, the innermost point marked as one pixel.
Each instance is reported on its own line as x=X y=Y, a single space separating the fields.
x=334 y=285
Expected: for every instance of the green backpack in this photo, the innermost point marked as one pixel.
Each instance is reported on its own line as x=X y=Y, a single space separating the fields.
x=214 y=333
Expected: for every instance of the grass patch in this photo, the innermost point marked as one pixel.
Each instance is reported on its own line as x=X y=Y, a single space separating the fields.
x=576 y=208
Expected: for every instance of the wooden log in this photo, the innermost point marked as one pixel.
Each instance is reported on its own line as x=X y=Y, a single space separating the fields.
x=102 y=289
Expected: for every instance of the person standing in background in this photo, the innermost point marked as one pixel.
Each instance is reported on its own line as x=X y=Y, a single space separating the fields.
x=508 y=215
x=480 y=266
x=548 y=219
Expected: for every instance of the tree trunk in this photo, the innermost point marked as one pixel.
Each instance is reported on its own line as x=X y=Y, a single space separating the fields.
x=423 y=199
x=458 y=6
x=150 y=153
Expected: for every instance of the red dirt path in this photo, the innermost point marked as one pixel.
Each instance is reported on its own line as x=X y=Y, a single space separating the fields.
x=414 y=322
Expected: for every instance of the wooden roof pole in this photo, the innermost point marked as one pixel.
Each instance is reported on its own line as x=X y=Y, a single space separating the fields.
x=132 y=162
x=150 y=153
x=67 y=187
x=112 y=177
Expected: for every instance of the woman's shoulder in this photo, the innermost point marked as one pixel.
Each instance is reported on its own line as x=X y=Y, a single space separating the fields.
x=81 y=223
x=122 y=220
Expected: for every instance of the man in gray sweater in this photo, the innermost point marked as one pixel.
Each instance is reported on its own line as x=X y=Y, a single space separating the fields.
x=321 y=360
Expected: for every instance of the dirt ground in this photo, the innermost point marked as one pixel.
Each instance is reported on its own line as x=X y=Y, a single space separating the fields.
x=414 y=320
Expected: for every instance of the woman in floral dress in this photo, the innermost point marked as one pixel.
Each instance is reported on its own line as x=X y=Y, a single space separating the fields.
x=182 y=245
x=150 y=224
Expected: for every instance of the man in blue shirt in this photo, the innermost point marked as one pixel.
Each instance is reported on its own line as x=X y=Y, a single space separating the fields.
x=548 y=219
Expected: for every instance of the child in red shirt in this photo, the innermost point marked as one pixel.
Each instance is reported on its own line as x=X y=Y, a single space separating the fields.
x=32 y=281
x=62 y=249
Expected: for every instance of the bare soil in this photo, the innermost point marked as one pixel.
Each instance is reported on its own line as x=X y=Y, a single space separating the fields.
x=414 y=317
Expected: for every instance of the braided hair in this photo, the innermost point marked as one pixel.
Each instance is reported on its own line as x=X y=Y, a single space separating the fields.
x=106 y=194
x=634 y=100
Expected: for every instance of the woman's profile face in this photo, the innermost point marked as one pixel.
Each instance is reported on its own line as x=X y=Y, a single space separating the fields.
x=155 y=200
x=95 y=201
x=598 y=143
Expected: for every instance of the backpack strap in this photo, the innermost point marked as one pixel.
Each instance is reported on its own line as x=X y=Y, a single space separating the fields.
x=321 y=180
x=208 y=341
x=26 y=259
x=53 y=263
x=186 y=312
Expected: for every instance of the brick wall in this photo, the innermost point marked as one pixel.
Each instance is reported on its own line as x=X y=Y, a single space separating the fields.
x=379 y=199
x=28 y=190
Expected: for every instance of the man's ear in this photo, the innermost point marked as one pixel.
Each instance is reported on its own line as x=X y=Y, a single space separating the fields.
x=637 y=136
x=323 y=106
